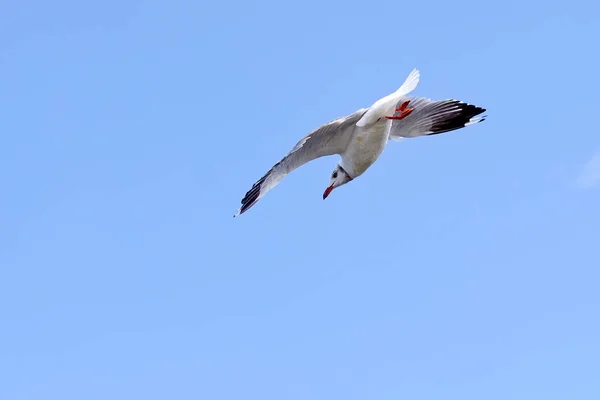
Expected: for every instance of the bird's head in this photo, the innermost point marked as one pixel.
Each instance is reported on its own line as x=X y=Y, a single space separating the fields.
x=339 y=177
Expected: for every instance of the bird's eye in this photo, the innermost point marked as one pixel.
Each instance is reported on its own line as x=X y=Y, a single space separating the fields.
x=334 y=175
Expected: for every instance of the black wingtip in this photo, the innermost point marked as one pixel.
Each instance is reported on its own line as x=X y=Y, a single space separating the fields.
x=250 y=199
x=252 y=196
x=458 y=118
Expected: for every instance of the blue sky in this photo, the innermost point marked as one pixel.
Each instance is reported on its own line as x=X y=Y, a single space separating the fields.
x=460 y=266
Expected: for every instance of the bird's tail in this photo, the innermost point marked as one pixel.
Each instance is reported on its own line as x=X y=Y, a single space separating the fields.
x=434 y=117
x=387 y=104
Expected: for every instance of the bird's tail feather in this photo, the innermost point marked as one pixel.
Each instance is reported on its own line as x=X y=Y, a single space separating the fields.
x=387 y=104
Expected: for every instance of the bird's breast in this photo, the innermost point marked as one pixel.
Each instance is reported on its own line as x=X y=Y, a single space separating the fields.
x=366 y=147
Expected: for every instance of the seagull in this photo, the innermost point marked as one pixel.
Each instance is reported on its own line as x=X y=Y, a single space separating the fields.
x=359 y=138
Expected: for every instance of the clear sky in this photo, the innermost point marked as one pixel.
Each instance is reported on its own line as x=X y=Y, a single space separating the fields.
x=460 y=266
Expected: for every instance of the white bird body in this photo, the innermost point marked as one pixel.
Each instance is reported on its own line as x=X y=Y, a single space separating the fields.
x=361 y=137
x=365 y=147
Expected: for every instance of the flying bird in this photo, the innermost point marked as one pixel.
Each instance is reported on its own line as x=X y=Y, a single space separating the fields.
x=359 y=138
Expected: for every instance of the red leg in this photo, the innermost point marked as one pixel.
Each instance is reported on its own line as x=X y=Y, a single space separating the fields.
x=405 y=113
x=403 y=106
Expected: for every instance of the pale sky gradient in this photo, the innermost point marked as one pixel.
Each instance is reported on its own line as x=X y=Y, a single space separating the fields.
x=463 y=266
x=590 y=174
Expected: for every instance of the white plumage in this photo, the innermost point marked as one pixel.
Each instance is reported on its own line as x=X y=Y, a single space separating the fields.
x=360 y=138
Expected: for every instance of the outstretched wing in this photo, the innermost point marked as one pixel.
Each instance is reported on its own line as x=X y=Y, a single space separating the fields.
x=331 y=138
x=433 y=117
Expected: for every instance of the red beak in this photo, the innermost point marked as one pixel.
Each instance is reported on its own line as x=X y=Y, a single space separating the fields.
x=327 y=192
